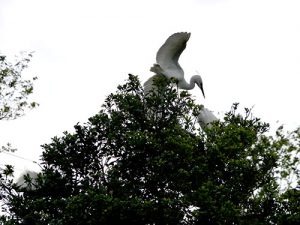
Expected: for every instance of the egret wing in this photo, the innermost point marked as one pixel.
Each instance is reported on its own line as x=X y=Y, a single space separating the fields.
x=169 y=53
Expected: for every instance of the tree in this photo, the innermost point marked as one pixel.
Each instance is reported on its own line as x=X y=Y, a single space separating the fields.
x=144 y=160
x=14 y=92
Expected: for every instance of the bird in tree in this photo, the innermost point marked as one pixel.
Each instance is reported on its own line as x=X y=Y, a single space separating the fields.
x=167 y=63
x=205 y=118
x=27 y=180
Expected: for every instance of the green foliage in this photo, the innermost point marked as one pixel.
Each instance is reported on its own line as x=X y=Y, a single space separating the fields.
x=14 y=90
x=6 y=181
x=143 y=160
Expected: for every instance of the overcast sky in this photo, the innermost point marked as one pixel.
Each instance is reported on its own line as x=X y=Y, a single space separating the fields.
x=245 y=51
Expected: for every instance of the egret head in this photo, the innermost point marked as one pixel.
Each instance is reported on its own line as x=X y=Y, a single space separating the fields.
x=198 y=81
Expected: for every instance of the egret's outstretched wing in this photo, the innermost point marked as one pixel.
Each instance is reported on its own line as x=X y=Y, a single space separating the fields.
x=169 y=53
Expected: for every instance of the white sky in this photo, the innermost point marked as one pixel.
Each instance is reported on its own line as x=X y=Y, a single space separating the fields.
x=245 y=51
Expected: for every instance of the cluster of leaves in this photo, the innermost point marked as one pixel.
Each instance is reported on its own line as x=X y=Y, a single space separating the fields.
x=14 y=90
x=142 y=160
x=6 y=181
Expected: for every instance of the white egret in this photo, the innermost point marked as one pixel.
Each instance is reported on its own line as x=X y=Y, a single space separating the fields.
x=205 y=118
x=21 y=180
x=167 y=63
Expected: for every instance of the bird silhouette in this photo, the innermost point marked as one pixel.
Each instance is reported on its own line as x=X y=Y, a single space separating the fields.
x=167 y=64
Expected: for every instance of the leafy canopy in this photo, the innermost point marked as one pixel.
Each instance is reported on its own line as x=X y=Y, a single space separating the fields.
x=144 y=160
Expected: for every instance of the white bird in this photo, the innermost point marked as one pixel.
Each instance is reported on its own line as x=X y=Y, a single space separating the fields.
x=167 y=63
x=205 y=118
x=21 y=180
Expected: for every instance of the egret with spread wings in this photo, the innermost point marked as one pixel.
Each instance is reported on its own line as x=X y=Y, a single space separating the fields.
x=167 y=63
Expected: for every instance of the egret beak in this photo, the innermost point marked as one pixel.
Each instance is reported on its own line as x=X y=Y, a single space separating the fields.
x=202 y=90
